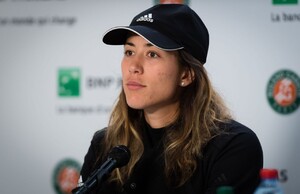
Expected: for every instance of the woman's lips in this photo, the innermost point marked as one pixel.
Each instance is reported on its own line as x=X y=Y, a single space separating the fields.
x=133 y=85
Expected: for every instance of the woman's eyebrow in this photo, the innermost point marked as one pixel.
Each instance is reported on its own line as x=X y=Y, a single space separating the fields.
x=132 y=44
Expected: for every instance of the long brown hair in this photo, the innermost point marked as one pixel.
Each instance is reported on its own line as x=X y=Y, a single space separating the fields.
x=200 y=111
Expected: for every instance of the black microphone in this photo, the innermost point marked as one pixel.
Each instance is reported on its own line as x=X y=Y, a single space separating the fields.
x=119 y=156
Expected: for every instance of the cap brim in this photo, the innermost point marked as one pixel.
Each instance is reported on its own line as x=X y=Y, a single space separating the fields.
x=118 y=36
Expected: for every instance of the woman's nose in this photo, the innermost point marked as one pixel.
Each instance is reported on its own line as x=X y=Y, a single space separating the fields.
x=136 y=66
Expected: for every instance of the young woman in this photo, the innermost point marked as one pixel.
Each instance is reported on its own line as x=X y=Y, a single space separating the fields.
x=181 y=136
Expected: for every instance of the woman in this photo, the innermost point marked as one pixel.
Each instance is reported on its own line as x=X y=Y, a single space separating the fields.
x=181 y=136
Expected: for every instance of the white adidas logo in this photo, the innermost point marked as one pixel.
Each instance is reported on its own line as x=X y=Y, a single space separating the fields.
x=146 y=18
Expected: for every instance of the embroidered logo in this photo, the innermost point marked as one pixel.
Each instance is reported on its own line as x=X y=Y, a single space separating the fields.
x=283 y=91
x=145 y=18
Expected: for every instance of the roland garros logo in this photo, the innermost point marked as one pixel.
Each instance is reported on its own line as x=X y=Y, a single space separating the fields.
x=66 y=175
x=283 y=91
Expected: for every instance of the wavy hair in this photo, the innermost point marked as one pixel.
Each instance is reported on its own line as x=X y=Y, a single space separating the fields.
x=201 y=110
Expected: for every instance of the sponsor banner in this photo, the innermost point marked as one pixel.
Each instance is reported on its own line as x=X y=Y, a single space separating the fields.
x=17 y=14
x=60 y=82
x=285 y=2
x=38 y=21
x=69 y=82
x=65 y=176
x=285 y=14
x=73 y=84
x=283 y=91
x=283 y=175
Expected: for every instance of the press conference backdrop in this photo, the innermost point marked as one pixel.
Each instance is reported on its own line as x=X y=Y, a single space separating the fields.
x=59 y=81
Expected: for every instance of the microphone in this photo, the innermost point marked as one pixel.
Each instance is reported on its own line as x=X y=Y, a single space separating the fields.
x=118 y=157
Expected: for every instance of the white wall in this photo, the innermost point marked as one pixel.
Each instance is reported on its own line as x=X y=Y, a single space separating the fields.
x=38 y=128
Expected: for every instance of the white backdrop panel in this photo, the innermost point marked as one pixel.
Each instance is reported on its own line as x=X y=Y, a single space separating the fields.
x=38 y=38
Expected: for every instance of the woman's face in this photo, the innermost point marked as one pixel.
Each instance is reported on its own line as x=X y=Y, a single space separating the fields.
x=151 y=76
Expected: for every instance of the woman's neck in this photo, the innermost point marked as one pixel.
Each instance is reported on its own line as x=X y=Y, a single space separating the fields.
x=163 y=116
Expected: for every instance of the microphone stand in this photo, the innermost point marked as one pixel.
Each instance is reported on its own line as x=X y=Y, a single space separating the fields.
x=118 y=157
x=97 y=177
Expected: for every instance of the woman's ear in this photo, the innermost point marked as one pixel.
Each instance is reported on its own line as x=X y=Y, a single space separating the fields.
x=187 y=77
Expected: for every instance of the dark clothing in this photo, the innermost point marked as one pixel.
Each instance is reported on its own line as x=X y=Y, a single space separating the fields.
x=232 y=158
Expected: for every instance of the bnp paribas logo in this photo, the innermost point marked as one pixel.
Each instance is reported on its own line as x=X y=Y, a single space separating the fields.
x=283 y=91
x=69 y=82
x=285 y=2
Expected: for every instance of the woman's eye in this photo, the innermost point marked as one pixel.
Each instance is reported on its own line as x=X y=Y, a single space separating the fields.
x=152 y=54
x=128 y=53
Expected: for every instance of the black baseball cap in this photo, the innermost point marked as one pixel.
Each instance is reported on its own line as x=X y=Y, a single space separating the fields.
x=167 y=26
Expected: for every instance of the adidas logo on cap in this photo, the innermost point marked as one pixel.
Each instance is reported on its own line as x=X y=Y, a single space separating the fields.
x=145 y=18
